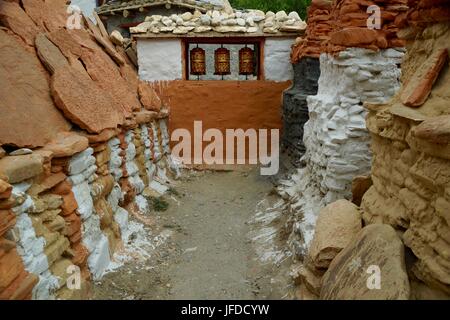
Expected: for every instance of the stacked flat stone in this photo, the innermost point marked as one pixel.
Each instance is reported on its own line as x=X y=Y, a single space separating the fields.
x=252 y=21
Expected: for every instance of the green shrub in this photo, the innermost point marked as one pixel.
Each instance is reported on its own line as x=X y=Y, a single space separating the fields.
x=274 y=5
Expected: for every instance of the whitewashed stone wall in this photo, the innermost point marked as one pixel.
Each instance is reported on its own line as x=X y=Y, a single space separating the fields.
x=82 y=173
x=160 y=60
x=31 y=247
x=336 y=138
x=277 y=59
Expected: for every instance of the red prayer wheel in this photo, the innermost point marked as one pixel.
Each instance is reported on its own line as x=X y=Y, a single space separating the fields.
x=222 y=61
x=198 y=64
x=246 y=64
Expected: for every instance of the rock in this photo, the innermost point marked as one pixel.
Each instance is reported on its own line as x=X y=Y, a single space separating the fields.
x=250 y=21
x=336 y=225
x=293 y=28
x=2 y=152
x=13 y=17
x=187 y=16
x=349 y=275
x=141 y=28
x=25 y=96
x=360 y=185
x=116 y=38
x=47 y=183
x=205 y=20
x=20 y=168
x=294 y=15
x=49 y=54
x=83 y=102
x=240 y=21
x=201 y=29
x=270 y=14
x=21 y=152
x=5 y=189
x=281 y=16
x=67 y=144
x=309 y=279
x=148 y=97
x=355 y=37
x=418 y=88
x=145 y=116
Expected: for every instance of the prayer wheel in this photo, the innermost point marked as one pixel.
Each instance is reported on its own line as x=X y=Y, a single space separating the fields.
x=246 y=63
x=222 y=61
x=198 y=64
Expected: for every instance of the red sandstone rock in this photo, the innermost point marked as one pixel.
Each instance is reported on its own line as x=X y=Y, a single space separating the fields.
x=67 y=144
x=29 y=116
x=13 y=17
x=418 y=88
x=69 y=204
x=49 y=54
x=354 y=37
x=83 y=102
x=62 y=188
x=73 y=224
x=47 y=183
x=145 y=116
x=318 y=28
x=7 y=221
x=5 y=189
x=436 y=130
x=149 y=97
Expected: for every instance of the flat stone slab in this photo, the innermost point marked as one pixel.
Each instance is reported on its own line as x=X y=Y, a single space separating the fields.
x=418 y=88
x=20 y=168
x=29 y=116
x=83 y=102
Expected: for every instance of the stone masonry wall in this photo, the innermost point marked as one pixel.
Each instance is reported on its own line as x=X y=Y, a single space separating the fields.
x=77 y=215
x=295 y=109
x=411 y=167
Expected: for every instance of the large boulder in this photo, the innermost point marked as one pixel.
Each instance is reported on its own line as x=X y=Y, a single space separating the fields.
x=376 y=251
x=336 y=226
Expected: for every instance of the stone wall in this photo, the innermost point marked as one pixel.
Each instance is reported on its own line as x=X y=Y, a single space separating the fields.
x=410 y=169
x=71 y=202
x=82 y=141
x=295 y=109
x=405 y=200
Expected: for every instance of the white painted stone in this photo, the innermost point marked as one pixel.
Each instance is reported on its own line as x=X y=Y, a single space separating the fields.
x=82 y=194
x=159 y=60
x=336 y=138
x=277 y=63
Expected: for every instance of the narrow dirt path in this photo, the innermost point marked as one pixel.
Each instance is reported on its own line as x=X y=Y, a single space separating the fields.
x=208 y=254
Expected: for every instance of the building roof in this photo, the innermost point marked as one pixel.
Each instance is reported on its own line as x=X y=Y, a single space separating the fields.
x=215 y=23
x=113 y=7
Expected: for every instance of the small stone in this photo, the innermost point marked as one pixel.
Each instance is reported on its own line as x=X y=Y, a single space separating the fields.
x=21 y=152
x=281 y=16
x=20 y=168
x=240 y=21
x=250 y=21
x=205 y=20
x=186 y=16
x=116 y=38
x=294 y=15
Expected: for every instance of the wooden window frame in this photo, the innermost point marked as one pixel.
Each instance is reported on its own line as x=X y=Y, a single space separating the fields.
x=185 y=42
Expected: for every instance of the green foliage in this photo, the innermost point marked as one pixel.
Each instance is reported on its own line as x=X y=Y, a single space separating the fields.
x=274 y=5
x=159 y=204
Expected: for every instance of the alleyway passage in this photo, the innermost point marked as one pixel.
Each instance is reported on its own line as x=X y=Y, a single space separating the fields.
x=208 y=254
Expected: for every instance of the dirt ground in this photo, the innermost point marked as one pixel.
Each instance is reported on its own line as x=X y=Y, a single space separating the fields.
x=220 y=244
